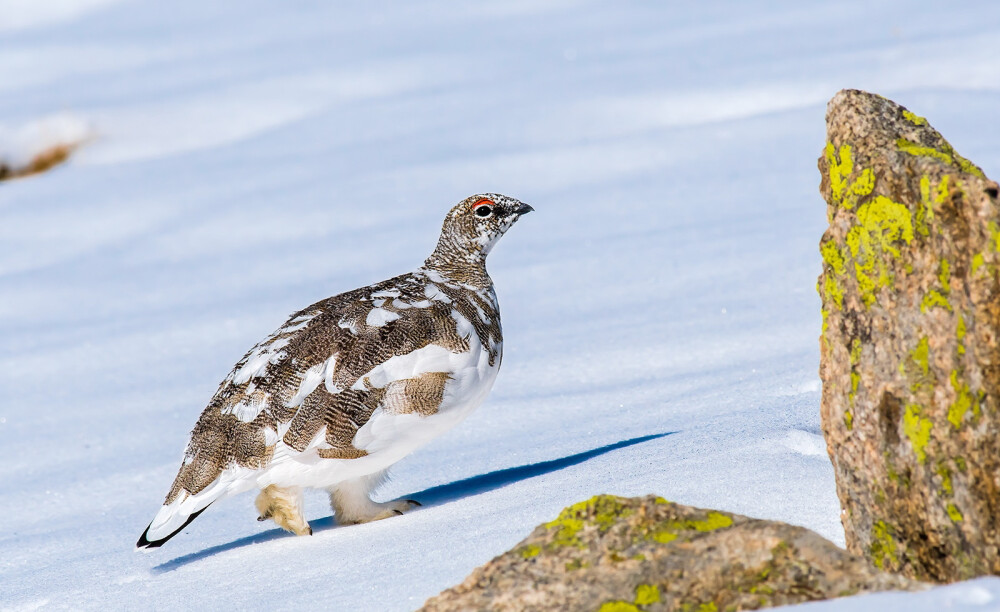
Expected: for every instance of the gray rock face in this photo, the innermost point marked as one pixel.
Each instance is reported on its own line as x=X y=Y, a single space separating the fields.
x=612 y=554
x=909 y=357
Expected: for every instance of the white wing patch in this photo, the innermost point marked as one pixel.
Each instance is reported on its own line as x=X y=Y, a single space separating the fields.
x=328 y=369
x=263 y=355
x=248 y=408
x=377 y=317
x=299 y=322
x=401 y=305
x=349 y=324
x=269 y=351
x=431 y=292
x=431 y=358
x=312 y=379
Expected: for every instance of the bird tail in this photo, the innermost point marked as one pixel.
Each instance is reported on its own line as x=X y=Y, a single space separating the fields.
x=178 y=514
x=162 y=528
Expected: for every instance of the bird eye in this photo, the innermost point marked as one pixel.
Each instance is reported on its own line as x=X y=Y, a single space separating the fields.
x=483 y=208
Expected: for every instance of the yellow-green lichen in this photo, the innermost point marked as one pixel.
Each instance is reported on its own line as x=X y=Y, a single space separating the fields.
x=944 y=276
x=977 y=262
x=945 y=474
x=833 y=291
x=862 y=186
x=855 y=351
x=568 y=528
x=855 y=379
x=938 y=297
x=962 y=403
x=618 y=606
x=916 y=367
x=833 y=257
x=953 y=513
x=960 y=332
x=715 y=520
x=576 y=564
x=968 y=166
x=946 y=154
x=919 y=150
x=883 y=546
x=918 y=429
x=928 y=201
x=841 y=168
x=925 y=212
x=663 y=537
x=646 y=594
x=606 y=509
x=531 y=550
x=848 y=420
x=882 y=224
x=601 y=509
x=914 y=118
x=667 y=532
x=994 y=234
x=934 y=299
x=943 y=190
x=960 y=464
x=920 y=357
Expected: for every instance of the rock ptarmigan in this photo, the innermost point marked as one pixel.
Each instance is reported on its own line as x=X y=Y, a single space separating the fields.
x=351 y=385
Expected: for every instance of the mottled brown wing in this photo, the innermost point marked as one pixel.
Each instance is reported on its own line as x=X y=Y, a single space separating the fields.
x=302 y=378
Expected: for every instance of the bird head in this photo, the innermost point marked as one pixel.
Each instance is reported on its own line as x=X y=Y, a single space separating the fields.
x=473 y=227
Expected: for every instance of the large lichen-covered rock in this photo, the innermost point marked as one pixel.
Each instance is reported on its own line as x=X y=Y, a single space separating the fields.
x=613 y=554
x=909 y=355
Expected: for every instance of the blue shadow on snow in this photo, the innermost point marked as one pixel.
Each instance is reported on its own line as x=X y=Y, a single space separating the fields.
x=494 y=480
x=433 y=496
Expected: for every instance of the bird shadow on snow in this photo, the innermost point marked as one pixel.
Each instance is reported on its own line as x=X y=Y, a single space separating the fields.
x=433 y=496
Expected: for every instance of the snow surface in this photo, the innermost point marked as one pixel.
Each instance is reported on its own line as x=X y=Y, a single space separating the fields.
x=254 y=157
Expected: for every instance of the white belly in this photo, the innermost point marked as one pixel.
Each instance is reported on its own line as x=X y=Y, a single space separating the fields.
x=388 y=437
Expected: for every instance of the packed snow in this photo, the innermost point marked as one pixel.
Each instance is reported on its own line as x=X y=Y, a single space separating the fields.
x=250 y=158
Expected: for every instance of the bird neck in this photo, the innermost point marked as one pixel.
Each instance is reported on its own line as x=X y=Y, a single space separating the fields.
x=465 y=265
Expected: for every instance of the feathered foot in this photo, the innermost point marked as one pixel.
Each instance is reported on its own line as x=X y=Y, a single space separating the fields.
x=284 y=507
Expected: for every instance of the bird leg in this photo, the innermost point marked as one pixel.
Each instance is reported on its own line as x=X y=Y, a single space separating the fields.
x=351 y=502
x=284 y=507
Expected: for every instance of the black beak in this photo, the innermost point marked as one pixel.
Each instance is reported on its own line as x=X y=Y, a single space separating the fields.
x=523 y=209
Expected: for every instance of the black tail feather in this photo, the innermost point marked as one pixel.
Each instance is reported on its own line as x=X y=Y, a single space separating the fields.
x=145 y=544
